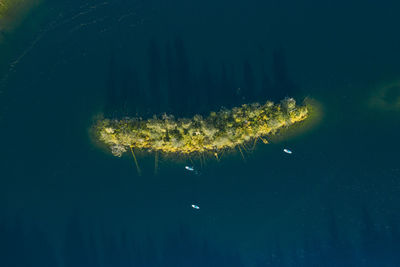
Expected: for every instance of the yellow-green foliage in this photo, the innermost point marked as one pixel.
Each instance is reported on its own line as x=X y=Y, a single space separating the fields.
x=11 y=11
x=4 y=6
x=221 y=130
x=7 y=6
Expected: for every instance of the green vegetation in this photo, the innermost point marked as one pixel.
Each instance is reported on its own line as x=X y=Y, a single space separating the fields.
x=12 y=12
x=222 y=130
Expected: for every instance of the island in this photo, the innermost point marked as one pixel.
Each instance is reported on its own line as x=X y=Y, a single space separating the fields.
x=227 y=129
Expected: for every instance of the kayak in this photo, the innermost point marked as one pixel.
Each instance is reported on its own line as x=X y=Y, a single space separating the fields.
x=189 y=168
x=287 y=151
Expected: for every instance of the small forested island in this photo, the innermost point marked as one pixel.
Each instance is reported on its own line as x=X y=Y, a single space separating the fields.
x=226 y=129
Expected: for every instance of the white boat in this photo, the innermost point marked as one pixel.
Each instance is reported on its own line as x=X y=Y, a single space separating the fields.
x=287 y=151
x=189 y=168
x=195 y=207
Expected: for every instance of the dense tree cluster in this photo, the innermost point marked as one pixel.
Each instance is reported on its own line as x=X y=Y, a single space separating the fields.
x=221 y=130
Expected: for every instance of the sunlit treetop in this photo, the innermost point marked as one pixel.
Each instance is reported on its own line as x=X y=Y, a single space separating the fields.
x=225 y=129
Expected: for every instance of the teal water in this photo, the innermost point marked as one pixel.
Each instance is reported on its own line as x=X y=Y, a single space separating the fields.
x=333 y=202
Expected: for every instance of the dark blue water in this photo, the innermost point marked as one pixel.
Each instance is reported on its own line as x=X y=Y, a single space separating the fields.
x=65 y=201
